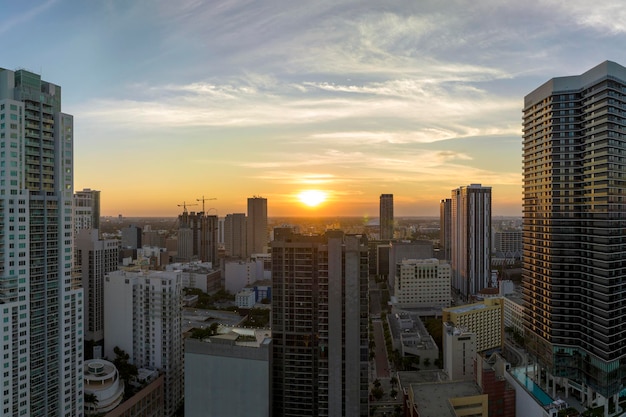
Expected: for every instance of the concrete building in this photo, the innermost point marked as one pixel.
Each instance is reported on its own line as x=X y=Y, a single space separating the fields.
x=148 y=402
x=246 y=298
x=470 y=239
x=507 y=244
x=573 y=224
x=319 y=325
x=201 y=276
x=241 y=358
x=197 y=237
x=423 y=283
x=86 y=209
x=490 y=377
x=240 y=274
x=103 y=381
x=429 y=393
x=514 y=313
x=131 y=237
x=235 y=235
x=41 y=308
x=256 y=226
x=398 y=251
x=386 y=217
x=459 y=352
x=94 y=258
x=445 y=229
x=485 y=319
x=153 y=338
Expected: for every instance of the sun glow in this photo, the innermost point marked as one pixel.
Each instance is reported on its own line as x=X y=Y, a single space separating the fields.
x=312 y=198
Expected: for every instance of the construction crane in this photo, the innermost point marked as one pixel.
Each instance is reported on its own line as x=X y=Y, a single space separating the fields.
x=184 y=206
x=203 y=200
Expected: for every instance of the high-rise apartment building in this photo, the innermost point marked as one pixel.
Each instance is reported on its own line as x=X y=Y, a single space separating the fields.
x=131 y=237
x=445 y=229
x=257 y=236
x=235 y=230
x=40 y=308
x=86 y=209
x=94 y=258
x=386 y=216
x=143 y=317
x=470 y=233
x=319 y=325
x=574 y=229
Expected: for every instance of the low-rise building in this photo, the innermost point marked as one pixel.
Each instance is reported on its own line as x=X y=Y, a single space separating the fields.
x=103 y=388
x=459 y=351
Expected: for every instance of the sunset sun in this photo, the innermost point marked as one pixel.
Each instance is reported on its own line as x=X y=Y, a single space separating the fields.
x=312 y=198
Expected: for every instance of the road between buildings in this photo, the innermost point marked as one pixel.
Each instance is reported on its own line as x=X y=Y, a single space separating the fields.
x=382 y=363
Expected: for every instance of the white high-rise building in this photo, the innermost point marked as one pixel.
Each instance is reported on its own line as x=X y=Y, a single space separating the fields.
x=470 y=235
x=40 y=309
x=143 y=317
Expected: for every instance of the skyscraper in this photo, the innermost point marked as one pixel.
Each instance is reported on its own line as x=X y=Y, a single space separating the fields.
x=574 y=244
x=386 y=216
x=445 y=229
x=257 y=235
x=40 y=307
x=235 y=235
x=143 y=317
x=470 y=233
x=86 y=209
x=319 y=325
x=94 y=258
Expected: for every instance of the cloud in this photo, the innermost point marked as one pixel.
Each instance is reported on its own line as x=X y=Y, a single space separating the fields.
x=22 y=18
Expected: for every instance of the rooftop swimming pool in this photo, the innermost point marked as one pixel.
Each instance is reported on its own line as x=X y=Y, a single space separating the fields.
x=536 y=391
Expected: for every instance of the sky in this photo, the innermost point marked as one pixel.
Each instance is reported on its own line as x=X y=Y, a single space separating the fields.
x=175 y=101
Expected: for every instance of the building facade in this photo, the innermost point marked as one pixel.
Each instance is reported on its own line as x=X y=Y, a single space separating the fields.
x=319 y=325
x=235 y=232
x=197 y=237
x=256 y=225
x=470 y=234
x=573 y=223
x=243 y=364
x=459 y=352
x=386 y=216
x=94 y=258
x=153 y=338
x=86 y=209
x=486 y=319
x=40 y=306
x=445 y=229
x=422 y=283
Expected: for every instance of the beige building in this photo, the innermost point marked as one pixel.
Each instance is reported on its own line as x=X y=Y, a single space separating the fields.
x=422 y=283
x=459 y=352
x=486 y=319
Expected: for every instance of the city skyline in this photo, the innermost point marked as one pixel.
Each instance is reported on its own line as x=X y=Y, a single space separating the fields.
x=277 y=98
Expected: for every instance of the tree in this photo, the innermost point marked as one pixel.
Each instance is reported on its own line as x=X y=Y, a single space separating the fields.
x=393 y=381
x=377 y=393
x=91 y=399
x=127 y=371
x=426 y=361
x=393 y=393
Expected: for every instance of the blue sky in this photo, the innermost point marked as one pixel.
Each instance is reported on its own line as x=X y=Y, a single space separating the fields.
x=229 y=99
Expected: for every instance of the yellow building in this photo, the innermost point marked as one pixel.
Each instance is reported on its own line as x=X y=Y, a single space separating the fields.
x=486 y=319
